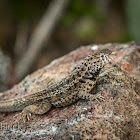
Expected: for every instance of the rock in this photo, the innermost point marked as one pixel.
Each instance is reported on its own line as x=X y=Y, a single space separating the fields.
x=117 y=117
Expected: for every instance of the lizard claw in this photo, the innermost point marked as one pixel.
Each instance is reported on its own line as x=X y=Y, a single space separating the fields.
x=99 y=97
x=28 y=116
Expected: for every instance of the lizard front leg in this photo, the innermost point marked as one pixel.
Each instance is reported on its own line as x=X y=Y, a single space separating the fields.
x=38 y=108
x=84 y=94
x=106 y=72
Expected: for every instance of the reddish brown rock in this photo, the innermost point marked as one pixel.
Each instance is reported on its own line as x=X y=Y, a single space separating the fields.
x=117 y=117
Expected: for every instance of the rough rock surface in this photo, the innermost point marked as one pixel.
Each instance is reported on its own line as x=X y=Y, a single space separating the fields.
x=115 y=118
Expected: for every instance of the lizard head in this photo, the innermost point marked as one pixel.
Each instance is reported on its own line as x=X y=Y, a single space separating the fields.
x=105 y=55
x=98 y=60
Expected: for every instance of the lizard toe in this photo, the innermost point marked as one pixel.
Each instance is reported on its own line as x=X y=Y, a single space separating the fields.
x=26 y=116
x=99 y=97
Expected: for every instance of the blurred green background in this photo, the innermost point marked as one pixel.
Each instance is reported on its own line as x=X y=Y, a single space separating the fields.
x=83 y=22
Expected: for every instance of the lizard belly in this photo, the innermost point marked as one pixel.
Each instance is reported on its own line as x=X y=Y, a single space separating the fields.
x=64 y=100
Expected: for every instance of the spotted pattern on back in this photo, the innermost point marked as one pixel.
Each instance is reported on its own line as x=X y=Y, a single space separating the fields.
x=83 y=78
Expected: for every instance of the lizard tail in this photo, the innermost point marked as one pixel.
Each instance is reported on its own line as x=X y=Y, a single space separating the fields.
x=7 y=106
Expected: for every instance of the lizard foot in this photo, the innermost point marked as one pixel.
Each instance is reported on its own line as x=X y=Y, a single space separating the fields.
x=99 y=97
x=24 y=116
x=91 y=97
x=106 y=72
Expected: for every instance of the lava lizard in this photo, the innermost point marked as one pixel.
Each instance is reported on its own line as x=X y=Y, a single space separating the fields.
x=75 y=86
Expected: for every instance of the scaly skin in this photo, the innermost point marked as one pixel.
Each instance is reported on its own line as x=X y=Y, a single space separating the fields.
x=70 y=89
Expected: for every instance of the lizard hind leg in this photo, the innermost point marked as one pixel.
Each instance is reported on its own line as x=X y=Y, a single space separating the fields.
x=38 y=108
